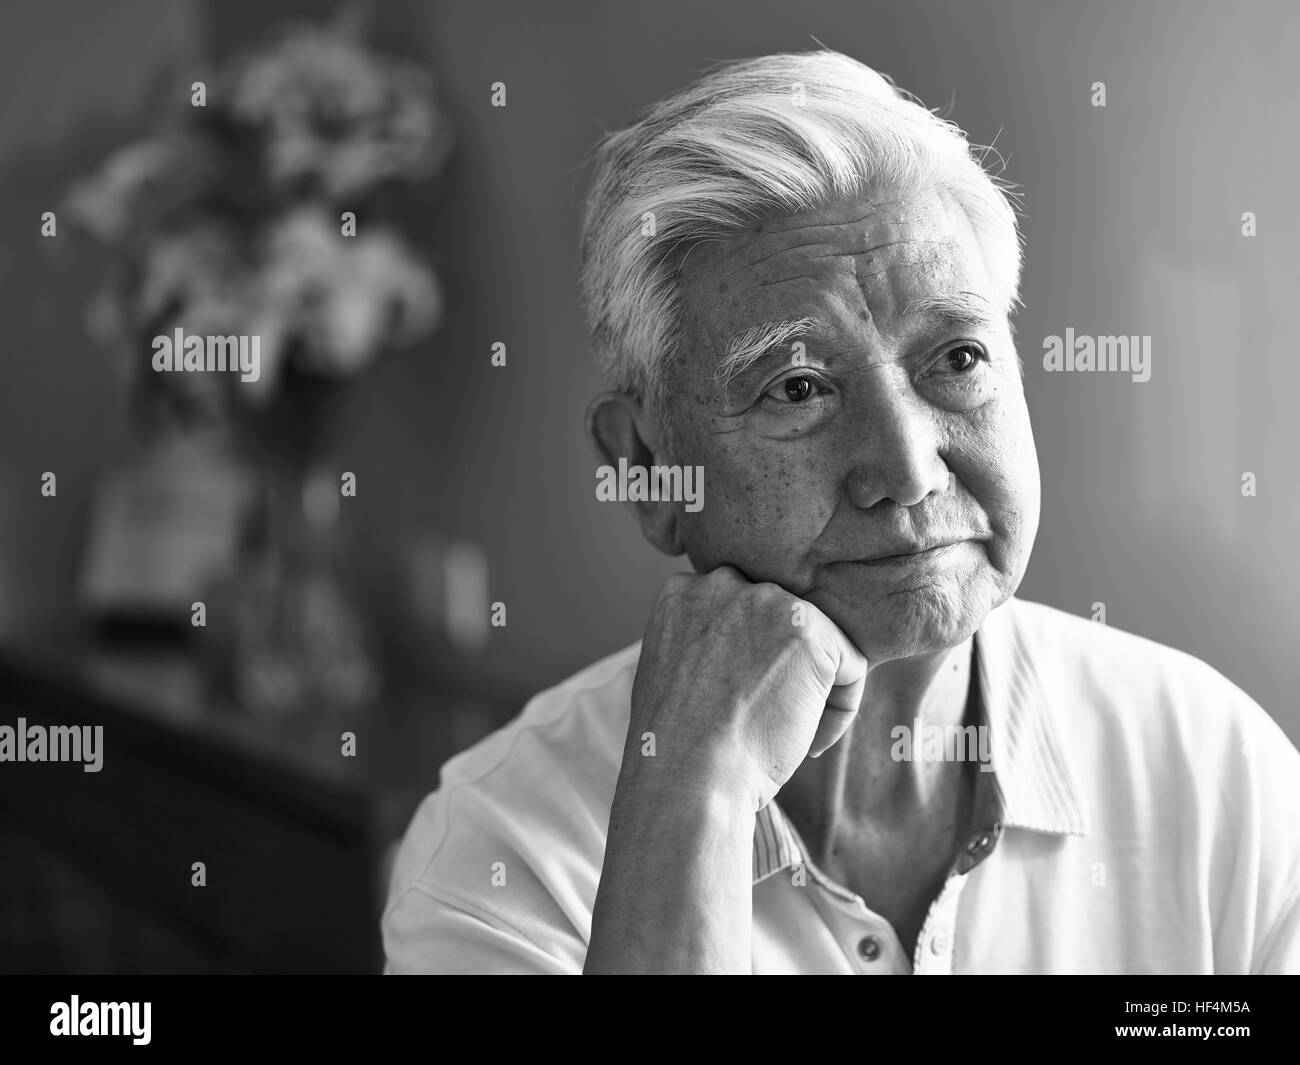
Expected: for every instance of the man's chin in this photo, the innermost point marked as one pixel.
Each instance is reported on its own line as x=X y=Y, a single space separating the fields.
x=914 y=622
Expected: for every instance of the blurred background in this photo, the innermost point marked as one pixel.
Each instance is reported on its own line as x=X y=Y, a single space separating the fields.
x=328 y=614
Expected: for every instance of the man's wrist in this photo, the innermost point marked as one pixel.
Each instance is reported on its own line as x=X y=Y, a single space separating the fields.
x=705 y=785
x=708 y=771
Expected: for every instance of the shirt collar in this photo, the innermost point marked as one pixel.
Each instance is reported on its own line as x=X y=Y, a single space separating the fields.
x=1034 y=779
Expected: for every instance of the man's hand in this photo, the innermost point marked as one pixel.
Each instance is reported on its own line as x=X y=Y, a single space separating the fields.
x=738 y=682
x=743 y=680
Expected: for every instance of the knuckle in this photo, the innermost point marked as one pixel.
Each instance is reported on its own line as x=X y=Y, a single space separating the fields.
x=772 y=597
x=674 y=585
x=724 y=577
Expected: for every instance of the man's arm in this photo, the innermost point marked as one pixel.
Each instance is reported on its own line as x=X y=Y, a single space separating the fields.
x=734 y=689
x=675 y=894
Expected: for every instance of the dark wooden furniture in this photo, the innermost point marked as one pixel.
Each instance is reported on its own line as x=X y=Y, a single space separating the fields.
x=295 y=837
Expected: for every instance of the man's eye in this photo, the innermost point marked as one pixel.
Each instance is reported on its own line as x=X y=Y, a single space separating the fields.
x=961 y=359
x=798 y=389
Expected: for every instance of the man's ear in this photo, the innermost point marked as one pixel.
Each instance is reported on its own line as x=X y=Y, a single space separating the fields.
x=619 y=428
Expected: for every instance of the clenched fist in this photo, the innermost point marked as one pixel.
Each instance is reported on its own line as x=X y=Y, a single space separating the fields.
x=742 y=681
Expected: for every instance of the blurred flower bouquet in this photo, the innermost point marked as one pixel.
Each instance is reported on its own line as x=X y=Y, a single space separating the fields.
x=232 y=221
x=261 y=214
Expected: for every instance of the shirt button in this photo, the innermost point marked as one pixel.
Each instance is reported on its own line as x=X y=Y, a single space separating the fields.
x=869 y=948
x=938 y=943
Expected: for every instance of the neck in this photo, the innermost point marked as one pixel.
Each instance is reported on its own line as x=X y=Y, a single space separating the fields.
x=858 y=780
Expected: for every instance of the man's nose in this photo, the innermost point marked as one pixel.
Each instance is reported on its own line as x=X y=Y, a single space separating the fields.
x=894 y=439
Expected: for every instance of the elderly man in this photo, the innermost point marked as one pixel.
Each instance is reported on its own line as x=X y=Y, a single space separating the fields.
x=800 y=282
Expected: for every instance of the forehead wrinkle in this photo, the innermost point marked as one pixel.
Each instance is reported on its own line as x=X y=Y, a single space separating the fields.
x=848 y=254
x=886 y=244
x=782 y=251
x=911 y=264
x=838 y=252
x=853 y=253
x=914 y=264
x=797 y=223
x=917 y=262
x=735 y=243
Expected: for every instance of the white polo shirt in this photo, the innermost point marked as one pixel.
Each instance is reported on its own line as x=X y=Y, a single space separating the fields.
x=1142 y=816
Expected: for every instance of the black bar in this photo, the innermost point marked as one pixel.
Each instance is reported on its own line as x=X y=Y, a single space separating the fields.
x=339 y=1014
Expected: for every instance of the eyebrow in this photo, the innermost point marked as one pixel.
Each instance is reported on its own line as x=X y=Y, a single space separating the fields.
x=750 y=345
x=967 y=310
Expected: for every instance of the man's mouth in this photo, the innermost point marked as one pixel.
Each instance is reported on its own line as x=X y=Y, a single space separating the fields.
x=921 y=552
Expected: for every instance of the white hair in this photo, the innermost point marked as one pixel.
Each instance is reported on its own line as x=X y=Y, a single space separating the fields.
x=756 y=139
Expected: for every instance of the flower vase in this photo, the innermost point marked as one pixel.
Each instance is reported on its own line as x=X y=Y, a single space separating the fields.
x=302 y=640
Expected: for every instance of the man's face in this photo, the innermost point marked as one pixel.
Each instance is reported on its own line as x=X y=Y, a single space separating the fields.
x=894 y=427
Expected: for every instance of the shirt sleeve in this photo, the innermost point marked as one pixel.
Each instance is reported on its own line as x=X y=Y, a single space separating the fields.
x=426 y=933
x=1279 y=954
x=1263 y=771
